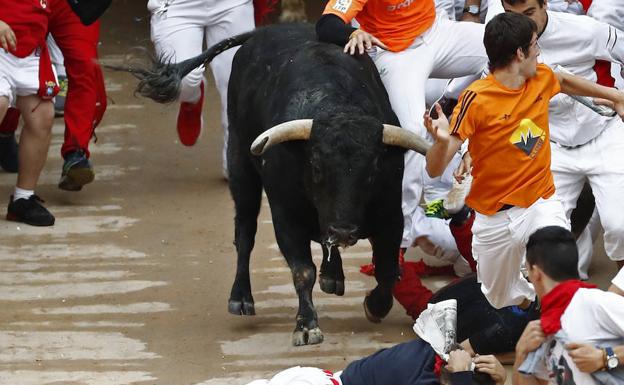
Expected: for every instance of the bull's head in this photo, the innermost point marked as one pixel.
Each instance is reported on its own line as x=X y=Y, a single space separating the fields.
x=344 y=154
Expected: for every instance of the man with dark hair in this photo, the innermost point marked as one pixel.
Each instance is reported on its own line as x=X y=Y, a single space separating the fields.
x=583 y=45
x=571 y=311
x=505 y=116
x=409 y=363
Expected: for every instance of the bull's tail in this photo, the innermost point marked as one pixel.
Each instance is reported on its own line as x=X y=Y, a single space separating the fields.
x=160 y=79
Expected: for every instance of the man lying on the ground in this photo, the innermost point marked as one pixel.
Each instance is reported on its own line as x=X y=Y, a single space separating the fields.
x=481 y=328
x=410 y=363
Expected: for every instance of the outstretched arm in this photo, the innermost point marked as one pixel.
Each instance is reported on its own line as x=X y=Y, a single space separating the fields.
x=576 y=85
x=445 y=145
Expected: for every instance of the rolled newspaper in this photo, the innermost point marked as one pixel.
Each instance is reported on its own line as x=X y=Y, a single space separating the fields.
x=587 y=101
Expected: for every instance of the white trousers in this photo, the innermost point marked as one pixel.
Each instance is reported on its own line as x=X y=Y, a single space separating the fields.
x=600 y=162
x=182 y=36
x=499 y=247
x=447 y=50
x=585 y=244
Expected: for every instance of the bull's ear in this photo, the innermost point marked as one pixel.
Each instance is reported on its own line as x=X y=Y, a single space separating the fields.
x=397 y=136
x=292 y=130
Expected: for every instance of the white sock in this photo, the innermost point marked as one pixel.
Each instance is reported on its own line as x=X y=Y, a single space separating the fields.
x=20 y=193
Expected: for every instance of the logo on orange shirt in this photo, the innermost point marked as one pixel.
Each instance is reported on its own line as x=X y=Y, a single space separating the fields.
x=404 y=4
x=528 y=137
x=342 y=5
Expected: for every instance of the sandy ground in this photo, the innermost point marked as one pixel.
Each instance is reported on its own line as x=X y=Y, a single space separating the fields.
x=131 y=284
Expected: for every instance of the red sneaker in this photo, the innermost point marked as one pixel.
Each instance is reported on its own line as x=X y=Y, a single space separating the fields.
x=190 y=120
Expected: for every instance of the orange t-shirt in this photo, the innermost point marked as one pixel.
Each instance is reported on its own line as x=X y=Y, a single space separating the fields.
x=509 y=140
x=395 y=22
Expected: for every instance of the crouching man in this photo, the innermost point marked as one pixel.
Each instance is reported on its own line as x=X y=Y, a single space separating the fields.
x=572 y=311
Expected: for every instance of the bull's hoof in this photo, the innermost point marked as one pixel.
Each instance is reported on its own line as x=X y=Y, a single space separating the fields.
x=241 y=307
x=369 y=316
x=332 y=286
x=307 y=337
x=377 y=306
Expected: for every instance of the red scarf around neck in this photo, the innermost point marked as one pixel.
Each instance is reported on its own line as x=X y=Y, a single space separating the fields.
x=556 y=301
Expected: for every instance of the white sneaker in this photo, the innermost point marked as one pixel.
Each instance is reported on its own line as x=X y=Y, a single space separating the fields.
x=457 y=196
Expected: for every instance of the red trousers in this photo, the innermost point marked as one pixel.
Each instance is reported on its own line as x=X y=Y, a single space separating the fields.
x=86 y=96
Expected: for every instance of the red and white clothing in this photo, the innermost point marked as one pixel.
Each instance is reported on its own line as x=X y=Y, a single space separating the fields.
x=27 y=70
x=181 y=28
x=593 y=316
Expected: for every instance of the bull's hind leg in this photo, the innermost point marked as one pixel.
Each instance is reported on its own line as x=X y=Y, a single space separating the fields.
x=332 y=276
x=246 y=189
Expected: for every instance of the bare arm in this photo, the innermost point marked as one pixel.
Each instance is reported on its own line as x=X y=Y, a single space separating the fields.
x=532 y=337
x=445 y=145
x=576 y=85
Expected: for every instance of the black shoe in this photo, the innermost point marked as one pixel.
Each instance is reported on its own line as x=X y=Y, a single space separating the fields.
x=8 y=152
x=29 y=211
x=77 y=171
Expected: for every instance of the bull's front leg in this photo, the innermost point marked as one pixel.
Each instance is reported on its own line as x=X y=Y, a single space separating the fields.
x=295 y=245
x=386 y=244
x=332 y=276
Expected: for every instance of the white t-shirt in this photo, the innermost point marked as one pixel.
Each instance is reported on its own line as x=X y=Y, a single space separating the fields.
x=593 y=316
x=619 y=279
x=575 y=42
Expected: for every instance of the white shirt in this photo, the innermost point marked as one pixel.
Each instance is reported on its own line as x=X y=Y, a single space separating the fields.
x=575 y=42
x=608 y=11
x=619 y=279
x=593 y=316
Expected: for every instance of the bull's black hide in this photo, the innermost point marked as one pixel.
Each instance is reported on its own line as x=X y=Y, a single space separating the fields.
x=341 y=183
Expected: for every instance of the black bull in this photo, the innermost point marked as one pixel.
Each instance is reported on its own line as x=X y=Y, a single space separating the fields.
x=336 y=176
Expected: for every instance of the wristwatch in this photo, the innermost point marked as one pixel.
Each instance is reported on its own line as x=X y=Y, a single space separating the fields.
x=473 y=10
x=611 y=361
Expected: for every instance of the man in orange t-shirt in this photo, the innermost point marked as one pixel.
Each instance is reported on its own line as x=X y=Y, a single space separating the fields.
x=409 y=42
x=505 y=116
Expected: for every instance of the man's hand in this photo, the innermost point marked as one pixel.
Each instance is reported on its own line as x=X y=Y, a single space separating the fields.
x=8 y=41
x=464 y=168
x=427 y=246
x=531 y=339
x=438 y=128
x=362 y=40
x=586 y=357
x=490 y=365
x=618 y=104
x=459 y=361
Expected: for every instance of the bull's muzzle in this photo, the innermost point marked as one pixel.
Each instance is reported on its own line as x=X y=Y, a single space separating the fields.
x=342 y=236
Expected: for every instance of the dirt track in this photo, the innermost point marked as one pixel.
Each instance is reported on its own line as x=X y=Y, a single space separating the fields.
x=131 y=284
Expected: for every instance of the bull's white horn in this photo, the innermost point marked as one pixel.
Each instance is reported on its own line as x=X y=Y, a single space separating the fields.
x=397 y=136
x=292 y=130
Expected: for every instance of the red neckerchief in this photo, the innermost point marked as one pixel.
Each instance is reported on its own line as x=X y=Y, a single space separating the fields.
x=556 y=301
x=437 y=365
